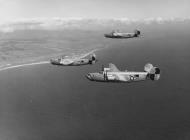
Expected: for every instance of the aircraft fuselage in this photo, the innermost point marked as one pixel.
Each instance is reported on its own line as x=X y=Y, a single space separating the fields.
x=120 y=35
x=66 y=62
x=118 y=76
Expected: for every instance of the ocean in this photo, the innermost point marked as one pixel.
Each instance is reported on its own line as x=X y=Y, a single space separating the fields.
x=45 y=102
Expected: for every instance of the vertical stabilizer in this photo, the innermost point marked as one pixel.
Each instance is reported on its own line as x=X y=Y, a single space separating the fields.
x=153 y=72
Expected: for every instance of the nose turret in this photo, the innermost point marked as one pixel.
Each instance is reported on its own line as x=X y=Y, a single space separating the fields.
x=106 y=35
x=109 y=35
x=96 y=77
x=54 y=62
x=89 y=76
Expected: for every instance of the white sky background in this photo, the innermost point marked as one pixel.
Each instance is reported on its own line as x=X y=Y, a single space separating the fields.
x=136 y=9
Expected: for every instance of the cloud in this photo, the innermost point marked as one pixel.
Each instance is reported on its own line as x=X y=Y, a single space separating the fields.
x=79 y=23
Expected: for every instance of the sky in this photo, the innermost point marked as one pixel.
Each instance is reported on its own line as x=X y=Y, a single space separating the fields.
x=135 y=9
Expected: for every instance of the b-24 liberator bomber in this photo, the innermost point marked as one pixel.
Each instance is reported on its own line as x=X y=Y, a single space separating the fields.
x=112 y=74
x=117 y=34
x=76 y=61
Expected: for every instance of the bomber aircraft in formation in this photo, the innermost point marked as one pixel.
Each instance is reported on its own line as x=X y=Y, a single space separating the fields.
x=117 y=34
x=112 y=74
x=77 y=61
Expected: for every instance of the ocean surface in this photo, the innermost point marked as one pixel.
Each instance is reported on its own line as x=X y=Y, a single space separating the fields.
x=46 y=102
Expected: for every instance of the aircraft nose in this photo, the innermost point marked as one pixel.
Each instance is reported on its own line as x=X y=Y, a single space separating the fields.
x=52 y=61
x=106 y=35
x=88 y=76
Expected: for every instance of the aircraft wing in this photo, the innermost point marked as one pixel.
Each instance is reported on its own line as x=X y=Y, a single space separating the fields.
x=84 y=55
x=121 y=78
x=113 y=68
x=67 y=61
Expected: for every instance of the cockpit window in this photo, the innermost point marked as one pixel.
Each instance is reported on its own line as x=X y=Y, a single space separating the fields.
x=59 y=59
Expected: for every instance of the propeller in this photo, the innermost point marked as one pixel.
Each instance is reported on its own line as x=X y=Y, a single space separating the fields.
x=102 y=67
x=104 y=73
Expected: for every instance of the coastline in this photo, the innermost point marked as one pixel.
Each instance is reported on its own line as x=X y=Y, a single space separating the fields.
x=50 y=102
x=17 y=65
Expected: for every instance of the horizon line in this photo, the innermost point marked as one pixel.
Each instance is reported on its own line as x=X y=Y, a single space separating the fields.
x=83 y=18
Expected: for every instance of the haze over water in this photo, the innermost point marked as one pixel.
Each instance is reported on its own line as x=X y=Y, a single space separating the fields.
x=49 y=102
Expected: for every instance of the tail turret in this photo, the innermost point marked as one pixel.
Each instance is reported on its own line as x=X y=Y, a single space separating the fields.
x=137 y=33
x=93 y=59
x=153 y=72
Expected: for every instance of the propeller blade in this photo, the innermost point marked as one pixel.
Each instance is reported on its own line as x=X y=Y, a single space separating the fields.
x=102 y=67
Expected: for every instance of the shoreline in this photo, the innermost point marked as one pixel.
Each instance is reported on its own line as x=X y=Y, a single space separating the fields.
x=23 y=65
x=12 y=66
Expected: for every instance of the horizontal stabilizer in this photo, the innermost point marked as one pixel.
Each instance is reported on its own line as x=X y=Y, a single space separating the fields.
x=148 y=67
x=153 y=72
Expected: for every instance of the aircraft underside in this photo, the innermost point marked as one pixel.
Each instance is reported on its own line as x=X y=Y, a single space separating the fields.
x=116 y=78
